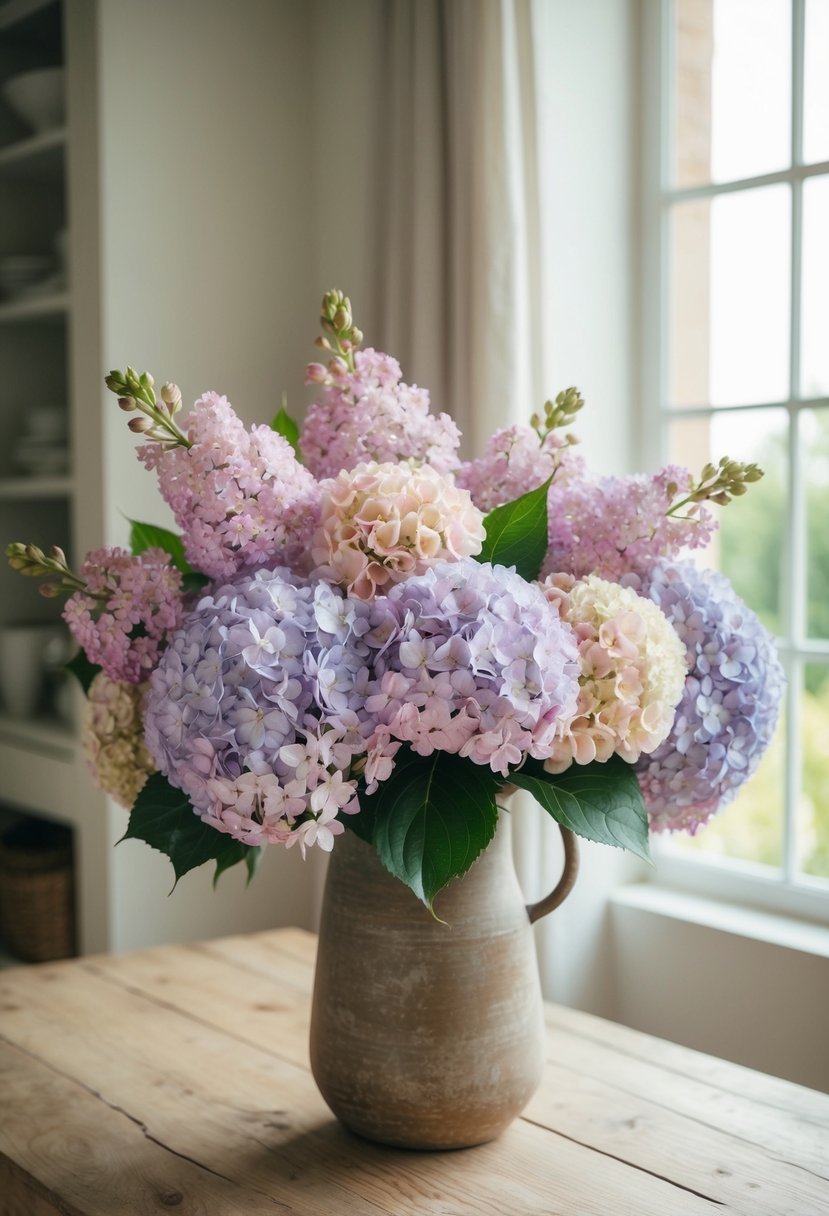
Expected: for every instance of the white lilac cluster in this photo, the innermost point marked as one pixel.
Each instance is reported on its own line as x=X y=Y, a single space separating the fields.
x=250 y=710
x=632 y=672
x=471 y=659
x=112 y=735
x=729 y=706
x=367 y=413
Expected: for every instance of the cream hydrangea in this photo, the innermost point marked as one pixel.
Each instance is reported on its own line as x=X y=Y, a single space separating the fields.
x=113 y=738
x=632 y=671
x=382 y=523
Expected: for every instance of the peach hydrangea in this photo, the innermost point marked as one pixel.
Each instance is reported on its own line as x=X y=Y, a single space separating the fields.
x=382 y=523
x=632 y=671
x=113 y=738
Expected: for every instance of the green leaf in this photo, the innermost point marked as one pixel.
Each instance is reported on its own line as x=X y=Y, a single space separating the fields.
x=82 y=669
x=432 y=818
x=601 y=802
x=516 y=533
x=252 y=858
x=163 y=818
x=150 y=536
x=286 y=426
x=362 y=825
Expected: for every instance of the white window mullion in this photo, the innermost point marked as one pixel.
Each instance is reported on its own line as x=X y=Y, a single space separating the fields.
x=796 y=522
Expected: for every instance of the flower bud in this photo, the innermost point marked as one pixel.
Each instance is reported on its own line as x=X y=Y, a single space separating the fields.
x=140 y=425
x=171 y=395
x=49 y=591
x=127 y=404
x=316 y=373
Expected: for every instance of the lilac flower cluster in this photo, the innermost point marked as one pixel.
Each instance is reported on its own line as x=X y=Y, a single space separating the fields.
x=514 y=462
x=241 y=498
x=729 y=708
x=469 y=658
x=251 y=710
x=369 y=414
x=127 y=609
x=615 y=526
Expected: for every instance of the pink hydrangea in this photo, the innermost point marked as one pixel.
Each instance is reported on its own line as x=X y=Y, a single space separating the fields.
x=370 y=414
x=241 y=498
x=632 y=672
x=382 y=523
x=130 y=606
x=615 y=526
x=516 y=461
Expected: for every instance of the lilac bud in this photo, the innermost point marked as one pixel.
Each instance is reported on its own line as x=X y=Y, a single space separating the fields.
x=140 y=425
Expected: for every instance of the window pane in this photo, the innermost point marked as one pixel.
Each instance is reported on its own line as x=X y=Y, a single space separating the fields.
x=750 y=544
x=815 y=447
x=813 y=812
x=729 y=305
x=733 y=89
x=814 y=372
x=816 y=83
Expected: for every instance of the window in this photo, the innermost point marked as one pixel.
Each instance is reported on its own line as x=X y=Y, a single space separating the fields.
x=736 y=322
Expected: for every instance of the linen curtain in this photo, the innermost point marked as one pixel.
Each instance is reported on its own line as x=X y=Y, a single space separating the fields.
x=461 y=301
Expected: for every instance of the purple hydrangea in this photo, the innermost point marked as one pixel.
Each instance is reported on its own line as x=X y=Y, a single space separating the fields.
x=729 y=708
x=471 y=659
x=255 y=709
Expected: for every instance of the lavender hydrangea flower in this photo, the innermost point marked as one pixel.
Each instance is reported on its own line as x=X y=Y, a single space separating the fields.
x=471 y=659
x=729 y=708
x=255 y=710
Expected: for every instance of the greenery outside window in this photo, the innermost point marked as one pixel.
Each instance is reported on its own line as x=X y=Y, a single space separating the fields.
x=736 y=356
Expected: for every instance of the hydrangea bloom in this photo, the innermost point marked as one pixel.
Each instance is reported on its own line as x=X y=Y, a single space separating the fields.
x=129 y=607
x=632 y=672
x=471 y=659
x=255 y=711
x=514 y=462
x=615 y=526
x=241 y=498
x=380 y=523
x=729 y=708
x=113 y=738
x=370 y=414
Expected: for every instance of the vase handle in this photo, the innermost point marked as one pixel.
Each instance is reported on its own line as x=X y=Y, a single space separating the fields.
x=565 y=884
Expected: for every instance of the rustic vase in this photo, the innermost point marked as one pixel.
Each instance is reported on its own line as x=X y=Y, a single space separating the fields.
x=424 y=1034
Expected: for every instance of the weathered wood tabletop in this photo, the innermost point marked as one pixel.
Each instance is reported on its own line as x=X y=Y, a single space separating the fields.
x=177 y=1079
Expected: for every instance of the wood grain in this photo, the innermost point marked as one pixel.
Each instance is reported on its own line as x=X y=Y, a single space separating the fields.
x=177 y=1079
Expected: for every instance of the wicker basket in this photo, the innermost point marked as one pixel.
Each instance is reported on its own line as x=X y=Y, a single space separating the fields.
x=37 y=891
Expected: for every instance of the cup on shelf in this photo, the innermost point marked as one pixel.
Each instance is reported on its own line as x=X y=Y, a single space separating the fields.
x=22 y=667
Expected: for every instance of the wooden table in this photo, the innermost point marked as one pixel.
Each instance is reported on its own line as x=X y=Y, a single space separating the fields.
x=176 y=1079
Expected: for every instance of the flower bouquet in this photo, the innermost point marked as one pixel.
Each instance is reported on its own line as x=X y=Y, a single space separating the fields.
x=356 y=631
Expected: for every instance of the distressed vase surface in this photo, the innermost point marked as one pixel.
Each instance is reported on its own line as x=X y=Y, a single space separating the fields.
x=425 y=1034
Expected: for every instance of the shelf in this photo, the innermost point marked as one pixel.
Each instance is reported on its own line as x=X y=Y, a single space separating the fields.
x=35 y=308
x=38 y=156
x=16 y=489
x=47 y=733
x=14 y=11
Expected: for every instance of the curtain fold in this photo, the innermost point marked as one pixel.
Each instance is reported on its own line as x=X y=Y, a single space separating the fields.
x=461 y=301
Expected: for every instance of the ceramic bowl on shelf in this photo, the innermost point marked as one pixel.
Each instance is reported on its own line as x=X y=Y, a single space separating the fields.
x=38 y=98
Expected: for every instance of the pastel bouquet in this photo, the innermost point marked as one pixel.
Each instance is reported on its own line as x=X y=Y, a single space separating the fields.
x=357 y=630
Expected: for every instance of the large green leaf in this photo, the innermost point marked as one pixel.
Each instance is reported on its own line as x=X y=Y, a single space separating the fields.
x=150 y=536
x=286 y=426
x=516 y=533
x=601 y=802
x=432 y=818
x=84 y=671
x=163 y=818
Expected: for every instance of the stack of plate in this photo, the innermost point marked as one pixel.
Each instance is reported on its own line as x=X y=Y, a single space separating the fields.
x=43 y=448
x=26 y=274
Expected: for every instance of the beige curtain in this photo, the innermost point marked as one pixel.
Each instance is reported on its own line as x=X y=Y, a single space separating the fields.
x=458 y=273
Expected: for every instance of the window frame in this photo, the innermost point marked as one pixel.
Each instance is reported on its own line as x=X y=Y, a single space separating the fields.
x=728 y=878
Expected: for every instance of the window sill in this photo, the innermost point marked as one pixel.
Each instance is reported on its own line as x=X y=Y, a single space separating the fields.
x=767 y=927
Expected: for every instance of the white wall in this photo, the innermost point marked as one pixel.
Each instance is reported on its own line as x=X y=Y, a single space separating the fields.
x=208 y=229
